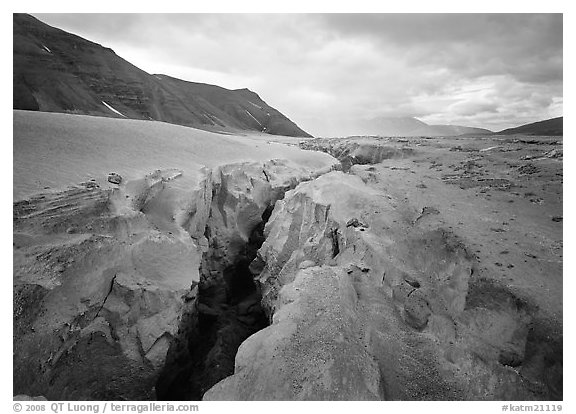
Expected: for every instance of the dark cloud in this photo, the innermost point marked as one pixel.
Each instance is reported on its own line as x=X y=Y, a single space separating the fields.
x=481 y=70
x=527 y=46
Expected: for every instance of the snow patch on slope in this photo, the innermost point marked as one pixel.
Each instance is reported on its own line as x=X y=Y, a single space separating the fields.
x=248 y=112
x=113 y=110
x=257 y=106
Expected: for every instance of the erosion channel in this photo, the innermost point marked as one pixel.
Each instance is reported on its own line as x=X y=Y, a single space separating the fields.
x=227 y=310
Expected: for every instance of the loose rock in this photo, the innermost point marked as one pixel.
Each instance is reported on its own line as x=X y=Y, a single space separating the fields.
x=114 y=178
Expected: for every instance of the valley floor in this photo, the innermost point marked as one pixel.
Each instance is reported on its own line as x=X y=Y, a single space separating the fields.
x=428 y=269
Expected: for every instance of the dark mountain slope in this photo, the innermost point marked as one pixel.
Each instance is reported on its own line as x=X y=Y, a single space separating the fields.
x=240 y=108
x=56 y=71
x=552 y=127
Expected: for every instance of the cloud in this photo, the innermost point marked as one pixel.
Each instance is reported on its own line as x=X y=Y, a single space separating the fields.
x=486 y=70
x=471 y=107
x=476 y=44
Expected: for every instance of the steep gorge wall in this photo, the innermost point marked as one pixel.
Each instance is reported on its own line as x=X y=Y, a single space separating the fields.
x=227 y=309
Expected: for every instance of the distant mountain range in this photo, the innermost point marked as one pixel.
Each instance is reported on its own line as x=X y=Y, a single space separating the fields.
x=408 y=126
x=55 y=71
x=554 y=126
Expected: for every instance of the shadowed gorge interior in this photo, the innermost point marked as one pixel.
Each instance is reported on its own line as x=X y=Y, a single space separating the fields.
x=227 y=310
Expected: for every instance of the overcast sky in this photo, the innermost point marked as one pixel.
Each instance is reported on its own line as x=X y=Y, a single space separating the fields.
x=491 y=71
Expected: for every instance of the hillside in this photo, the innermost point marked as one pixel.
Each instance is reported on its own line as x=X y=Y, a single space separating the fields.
x=394 y=126
x=451 y=130
x=552 y=127
x=55 y=71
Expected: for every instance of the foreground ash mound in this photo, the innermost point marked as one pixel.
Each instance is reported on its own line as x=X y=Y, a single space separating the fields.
x=110 y=285
x=429 y=269
x=97 y=293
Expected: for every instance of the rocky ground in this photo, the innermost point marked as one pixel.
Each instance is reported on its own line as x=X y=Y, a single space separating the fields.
x=425 y=269
x=431 y=271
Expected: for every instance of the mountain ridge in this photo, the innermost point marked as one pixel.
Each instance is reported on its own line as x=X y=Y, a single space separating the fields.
x=57 y=71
